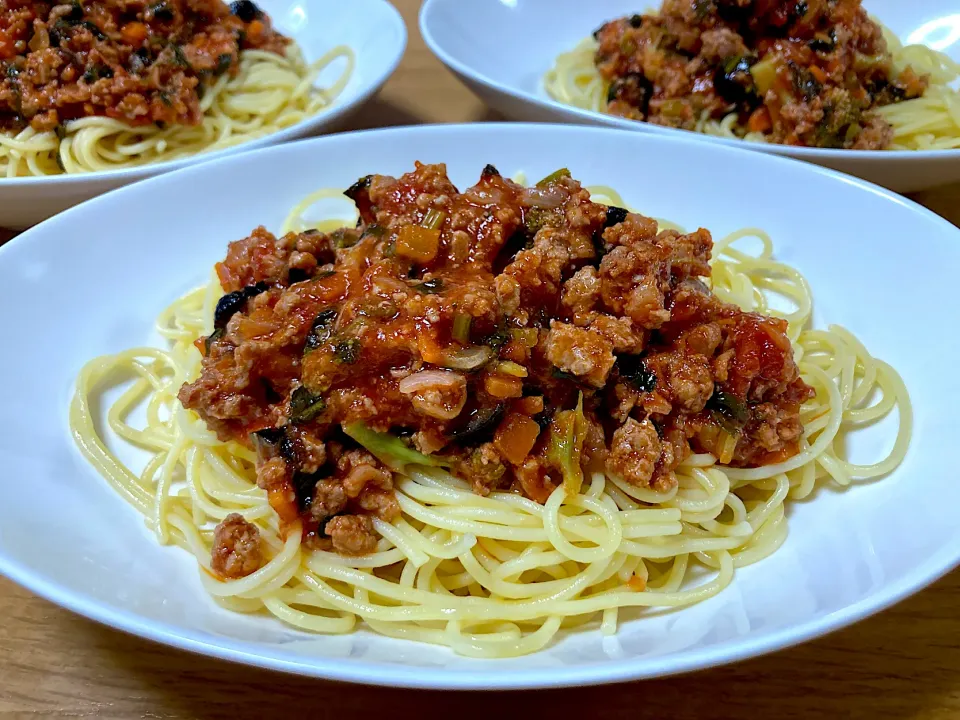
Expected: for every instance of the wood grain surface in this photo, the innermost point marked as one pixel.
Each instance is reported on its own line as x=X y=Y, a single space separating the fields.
x=903 y=663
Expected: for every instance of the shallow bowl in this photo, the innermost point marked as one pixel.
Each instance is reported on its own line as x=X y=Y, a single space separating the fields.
x=82 y=284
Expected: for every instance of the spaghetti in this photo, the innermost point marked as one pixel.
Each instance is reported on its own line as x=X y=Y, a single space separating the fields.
x=930 y=121
x=500 y=575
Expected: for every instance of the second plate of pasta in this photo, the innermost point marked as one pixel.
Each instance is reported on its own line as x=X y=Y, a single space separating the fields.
x=869 y=88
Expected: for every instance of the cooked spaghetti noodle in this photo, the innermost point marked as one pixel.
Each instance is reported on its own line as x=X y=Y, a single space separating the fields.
x=270 y=93
x=928 y=122
x=500 y=575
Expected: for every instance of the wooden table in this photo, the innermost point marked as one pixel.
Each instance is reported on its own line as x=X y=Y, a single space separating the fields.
x=904 y=663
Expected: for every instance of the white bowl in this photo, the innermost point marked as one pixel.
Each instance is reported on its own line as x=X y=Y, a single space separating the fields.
x=373 y=28
x=81 y=284
x=501 y=49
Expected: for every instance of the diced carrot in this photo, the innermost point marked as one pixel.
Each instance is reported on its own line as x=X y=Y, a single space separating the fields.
x=819 y=74
x=530 y=405
x=501 y=386
x=430 y=350
x=134 y=33
x=636 y=583
x=284 y=502
x=201 y=344
x=759 y=121
x=515 y=437
x=418 y=243
x=255 y=31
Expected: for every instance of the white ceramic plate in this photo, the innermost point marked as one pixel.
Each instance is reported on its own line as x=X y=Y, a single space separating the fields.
x=81 y=284
x=501 y=49
x=373 y=28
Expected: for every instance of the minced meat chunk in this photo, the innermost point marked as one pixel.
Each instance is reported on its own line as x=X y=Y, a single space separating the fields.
x=236 y=548
x=580 y=352
x=634 y=452
x=352 y=534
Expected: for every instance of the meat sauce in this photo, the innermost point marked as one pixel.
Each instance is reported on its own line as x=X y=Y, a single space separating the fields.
x=519 y=336
x=807 y=72
x=137 y=61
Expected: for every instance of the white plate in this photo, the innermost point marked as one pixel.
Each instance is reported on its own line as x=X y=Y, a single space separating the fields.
x=81 y=284
x=501 y=49
x=373 y=28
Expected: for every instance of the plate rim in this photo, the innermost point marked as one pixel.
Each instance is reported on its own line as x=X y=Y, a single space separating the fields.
x=407 y=676
x=288 y=134
x=592 y=117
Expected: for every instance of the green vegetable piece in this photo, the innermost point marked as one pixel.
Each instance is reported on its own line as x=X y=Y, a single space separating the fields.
x=305 y=406
x=461 y=328
x=321 y=330
x=347 y=351
x=568 y=430
x=553 y=177
x=389 y=449
x=211 y=338
x=497 y=340
x=729 y=411
x=430 y=287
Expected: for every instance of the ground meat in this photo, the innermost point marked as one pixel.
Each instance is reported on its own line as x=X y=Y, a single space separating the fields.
x=352 y=534
x=721 y=44
x=579 y=352
x=329 y=499
x=508 y=293
x=379 y=503
x=582 y=292
x=534 y=480
x=620 y=331
x=236 y=548
x=877 y=134
x=634 y=452
x=136 y=62
x=359 y=469
x=703 y=339
x=482 y=468
x=632 y=281
x=539 y=270
x=773 y=433
x=686 y=377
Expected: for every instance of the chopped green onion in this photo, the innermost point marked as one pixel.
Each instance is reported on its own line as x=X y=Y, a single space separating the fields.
x=461 y=328
x=553 y=177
